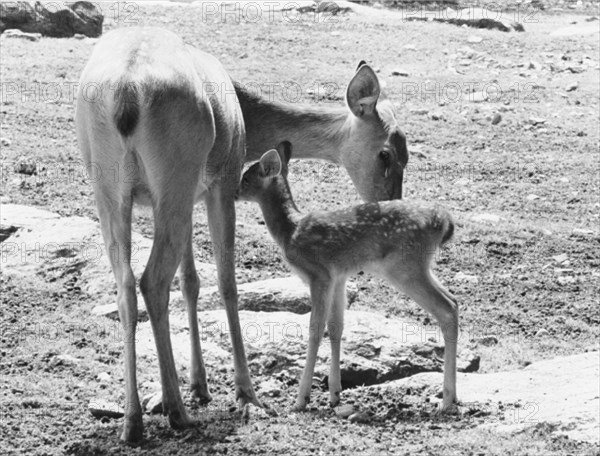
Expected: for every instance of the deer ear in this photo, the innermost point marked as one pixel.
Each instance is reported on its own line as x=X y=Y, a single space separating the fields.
x=361 y=63
x=363 y=91
x=270 y=164
x=285 y=152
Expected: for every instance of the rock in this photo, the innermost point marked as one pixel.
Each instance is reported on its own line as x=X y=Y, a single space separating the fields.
x=468 y=361
x=496 y=119
x=560 y=258
x=359 y=417
x=581 y=232
x=572 y=87
x=54 y=19
x=532 y=197
x=478 y=97
x=66 y=245
x=462 y=277
x=486 y=218
x=104 y=377
x=336 y=33
x=375 y=349
x=28 y=169
x=488 y=341
x=409 y=47
x=473 y=39
x=537 y=121
x=5 y=142
x=15 y=33
x=542 y=333
x=152 y=403
x=112 y=310
x=99 y=408
x=270 y=387
x=564 y=392
x=344 y=410
x=566 y=280
x=399 y=72
x=437 y=116
x=271 y=295
x=575 y=30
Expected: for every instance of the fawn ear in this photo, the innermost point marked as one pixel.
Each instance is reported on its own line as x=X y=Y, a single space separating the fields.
x=270 y=164
x=363 y=91
x=361 y=63
x=284 y=149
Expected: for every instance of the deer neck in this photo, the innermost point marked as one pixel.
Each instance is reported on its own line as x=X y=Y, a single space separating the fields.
x=314 y=132
x=280 y=213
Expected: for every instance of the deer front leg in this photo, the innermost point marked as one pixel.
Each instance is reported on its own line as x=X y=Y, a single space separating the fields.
x=335 y=327
x=321 y=294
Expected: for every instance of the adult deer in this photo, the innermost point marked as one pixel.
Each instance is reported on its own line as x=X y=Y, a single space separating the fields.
x=395 y=240
x=147 y=107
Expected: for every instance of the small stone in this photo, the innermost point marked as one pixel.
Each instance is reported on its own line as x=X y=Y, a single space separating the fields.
x=536 y=121
x=243 y=56
x=532 y=197
x=474 y=39
x=399 y=72
x=566 y=280
x=478 y=97
x=437 y=116
x=542 y=333
x=152 y=403
x=79 y=36
x=270 y=388
x=581 y=232
x=104 y=377
x=100 y=408
x=572 y=87
x=5 y=142
x=15 y=33
x=462 y=277
x=345 y=410
x=335 y=33
x=409 y=47
x=560 y=258
x=359 y=417
x=496 y=119
x=420 y=112
x=488 y=341
x=486 y=218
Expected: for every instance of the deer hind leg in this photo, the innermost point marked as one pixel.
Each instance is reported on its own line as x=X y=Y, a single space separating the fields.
x=321 y=294
x=335 y=327
x=114 y=211
x=190 y=287
x=425 y=289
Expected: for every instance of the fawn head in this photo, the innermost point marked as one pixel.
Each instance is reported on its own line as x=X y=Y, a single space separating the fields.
x=269 y=174
x=375 y=152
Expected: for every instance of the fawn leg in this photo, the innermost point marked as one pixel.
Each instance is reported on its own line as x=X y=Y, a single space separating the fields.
x=320 y=293
x=335 y=327
x=426 y=290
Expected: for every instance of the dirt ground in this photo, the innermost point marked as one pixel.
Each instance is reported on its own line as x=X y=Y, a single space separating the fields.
x=537 y=170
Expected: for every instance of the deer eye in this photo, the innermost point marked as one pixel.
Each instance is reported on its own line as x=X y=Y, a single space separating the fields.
x=385 y=156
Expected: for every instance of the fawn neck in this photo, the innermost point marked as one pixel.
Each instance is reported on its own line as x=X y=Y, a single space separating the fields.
x=279 y=210
x=314 y=132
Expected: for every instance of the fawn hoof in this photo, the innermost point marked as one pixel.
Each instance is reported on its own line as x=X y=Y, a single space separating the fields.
x=300 y=405
x=201 y=393
x=133 y=429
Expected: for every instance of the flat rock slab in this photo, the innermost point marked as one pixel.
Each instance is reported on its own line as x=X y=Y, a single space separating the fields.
x=271 y=295
x=55 y=248
x=375 y=349
x=564 y=391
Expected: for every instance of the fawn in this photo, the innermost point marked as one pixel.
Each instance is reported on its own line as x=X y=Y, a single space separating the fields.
x=395 y=240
